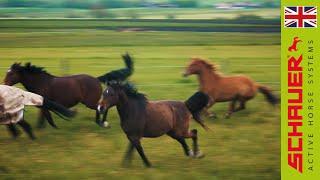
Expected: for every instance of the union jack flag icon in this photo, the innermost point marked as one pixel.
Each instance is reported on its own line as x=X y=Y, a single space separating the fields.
x=300 y=17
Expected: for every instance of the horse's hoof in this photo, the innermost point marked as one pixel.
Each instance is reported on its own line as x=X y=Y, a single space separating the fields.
x=105 y=124
x=190 y=153
x=227 y=116
x=213 y=116
x=199 y=155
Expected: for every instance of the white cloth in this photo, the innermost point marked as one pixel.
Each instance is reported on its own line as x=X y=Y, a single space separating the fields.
x=12 y=102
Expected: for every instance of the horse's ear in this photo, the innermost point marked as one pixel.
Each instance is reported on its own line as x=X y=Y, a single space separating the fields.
x=28 y=64
x=16 y=65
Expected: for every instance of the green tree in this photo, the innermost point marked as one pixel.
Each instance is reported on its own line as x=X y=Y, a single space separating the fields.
x=185 y=3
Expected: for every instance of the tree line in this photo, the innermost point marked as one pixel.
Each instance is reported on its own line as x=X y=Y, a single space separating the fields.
x=88 y=4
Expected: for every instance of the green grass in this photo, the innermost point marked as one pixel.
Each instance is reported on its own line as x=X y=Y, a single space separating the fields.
x=247 y=146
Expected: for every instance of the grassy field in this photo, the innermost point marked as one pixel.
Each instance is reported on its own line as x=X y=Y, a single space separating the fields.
x=246 y=146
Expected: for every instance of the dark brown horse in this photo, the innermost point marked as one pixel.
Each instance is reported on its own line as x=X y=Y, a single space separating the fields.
x=142 y=118
x=221 y=88
x=68 y=90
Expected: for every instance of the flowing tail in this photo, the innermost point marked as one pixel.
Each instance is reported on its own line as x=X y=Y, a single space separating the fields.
x=120 y=74
x=195 y=104
x=58 y=109
x=272 y=99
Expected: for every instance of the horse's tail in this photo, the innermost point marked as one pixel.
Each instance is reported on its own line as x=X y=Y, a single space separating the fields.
x=58 y=109
x=129 y=63
x=195 y=105
x=271 y=98
x=120 y=74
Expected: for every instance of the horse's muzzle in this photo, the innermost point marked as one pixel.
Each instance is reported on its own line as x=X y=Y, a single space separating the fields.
x=101 y=108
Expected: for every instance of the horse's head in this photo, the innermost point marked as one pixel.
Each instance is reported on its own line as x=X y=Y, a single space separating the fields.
x=120 y=92
x=13 y=75
x=110 y=97
x=197 y=65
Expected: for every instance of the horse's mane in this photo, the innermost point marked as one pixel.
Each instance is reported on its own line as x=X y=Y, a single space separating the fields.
x=132 y=92
x=207 y=64
x=29 y=68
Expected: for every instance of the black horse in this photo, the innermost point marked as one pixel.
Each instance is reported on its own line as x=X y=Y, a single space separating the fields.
x=142 y=118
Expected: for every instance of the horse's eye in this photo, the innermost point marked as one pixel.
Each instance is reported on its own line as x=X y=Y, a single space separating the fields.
x=108 y=93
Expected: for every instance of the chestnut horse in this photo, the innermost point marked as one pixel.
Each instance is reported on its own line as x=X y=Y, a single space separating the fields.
x=68 y=90
x=142 y=118
x=221 y=88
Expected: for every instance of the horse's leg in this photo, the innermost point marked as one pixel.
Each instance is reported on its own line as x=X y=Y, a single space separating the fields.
x=48 y=116
x=13 y=130
x=231 y=108
x=103 y=123
x=241 y=106
x=183 y=143
x=194 y=135
x=209 y=114
x=206 y=110
x=128 y=157
x=136 y=143
x=97 y=117
x=27 y=128
x=41 y=120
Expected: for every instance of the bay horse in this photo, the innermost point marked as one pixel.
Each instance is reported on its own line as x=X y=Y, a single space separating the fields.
x=140 y=117
x=12 y=103
x=68 y=90
x=221 y=88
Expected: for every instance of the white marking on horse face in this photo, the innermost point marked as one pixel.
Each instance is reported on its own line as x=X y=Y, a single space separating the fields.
x=9 y=70
x=107 y=92
x=99 y=108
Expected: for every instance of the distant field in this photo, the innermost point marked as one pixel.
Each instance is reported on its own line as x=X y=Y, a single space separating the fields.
x=247 y=146
x=243 y=25
x=140 y=13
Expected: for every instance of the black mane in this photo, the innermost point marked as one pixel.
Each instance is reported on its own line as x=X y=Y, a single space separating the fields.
x=132 y=92
x=28 y=68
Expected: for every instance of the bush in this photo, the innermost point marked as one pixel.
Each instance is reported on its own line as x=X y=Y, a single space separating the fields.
x=16 y=3
x=269 y=4
x=80 y=4
x=185 y=3
x=120 y=3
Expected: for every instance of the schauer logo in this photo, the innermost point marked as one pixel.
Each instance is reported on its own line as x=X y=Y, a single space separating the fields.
x=295 y=118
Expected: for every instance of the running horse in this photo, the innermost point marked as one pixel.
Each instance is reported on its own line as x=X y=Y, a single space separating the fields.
x=221 y=88
x=12 y=103
x=68 y=90
x=142 y=118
